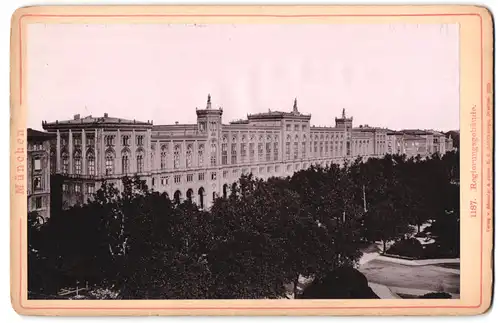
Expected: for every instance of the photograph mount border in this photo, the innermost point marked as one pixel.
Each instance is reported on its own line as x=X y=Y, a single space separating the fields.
x=22 y=238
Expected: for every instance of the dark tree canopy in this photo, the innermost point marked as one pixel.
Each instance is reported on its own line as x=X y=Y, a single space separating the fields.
x=254 y=241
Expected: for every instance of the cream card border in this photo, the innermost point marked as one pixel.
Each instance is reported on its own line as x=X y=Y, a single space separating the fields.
x=476 y=75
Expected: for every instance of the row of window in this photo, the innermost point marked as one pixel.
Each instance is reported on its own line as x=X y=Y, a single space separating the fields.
x=77 y=188
x=37 y=146
x=125 y=140
x=296 y=127
x=77 y=141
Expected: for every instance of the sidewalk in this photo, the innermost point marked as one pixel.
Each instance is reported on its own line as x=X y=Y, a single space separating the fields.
x=383 y=291
x=417 y=292
x=424 y=262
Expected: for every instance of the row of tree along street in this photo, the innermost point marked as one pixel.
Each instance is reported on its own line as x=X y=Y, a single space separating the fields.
x=141 y=245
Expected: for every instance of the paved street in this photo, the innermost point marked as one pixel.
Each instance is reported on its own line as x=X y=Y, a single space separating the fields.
x=430 y=278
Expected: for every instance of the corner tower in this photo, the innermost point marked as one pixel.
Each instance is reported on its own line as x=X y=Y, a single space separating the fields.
x=209 y=120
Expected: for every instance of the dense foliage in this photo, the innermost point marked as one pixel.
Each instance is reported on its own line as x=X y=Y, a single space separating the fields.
x=139 y=244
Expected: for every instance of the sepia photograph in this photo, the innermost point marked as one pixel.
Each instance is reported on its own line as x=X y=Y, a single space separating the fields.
x=243 y=161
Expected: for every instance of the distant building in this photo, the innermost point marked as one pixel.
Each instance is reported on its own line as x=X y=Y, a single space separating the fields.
x=39 y=172
x=200 y=161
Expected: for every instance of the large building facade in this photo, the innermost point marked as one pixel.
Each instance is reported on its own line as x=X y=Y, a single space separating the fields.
x=201 y=161
x=38 y=172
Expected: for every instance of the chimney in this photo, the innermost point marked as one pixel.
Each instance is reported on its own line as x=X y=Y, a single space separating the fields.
x=76 y=117
x=105 y=115
x=177 y=122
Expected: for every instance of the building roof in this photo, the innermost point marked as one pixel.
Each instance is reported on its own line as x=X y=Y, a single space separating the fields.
x=39 y=135
x=278 y=115
x=90 y=120
x=412 y=137
x=416 y=132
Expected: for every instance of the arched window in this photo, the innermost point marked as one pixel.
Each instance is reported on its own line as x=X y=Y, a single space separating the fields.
x=53 y=161
x=152 y=157
x=189 y=195
x=201 y=195
x=177 y=156
x=177 y=197
x=224 y=191
x=140 y=160
x=163 y=157
x=224 y=151
x=201 y=153
x=287 y=150
x=125 y=161
x=65 y=162
x=233 y=151
x=90 y=163
x=213 y=154
x=110 y=159
x=189 y=156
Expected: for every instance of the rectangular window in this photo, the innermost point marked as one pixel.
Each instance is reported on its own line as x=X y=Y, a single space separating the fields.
x=201 y=176
x=252 y=151
x=261 y=152
x=78 y=166
x=90 y=141
x=140 y=140
x=90 y=188
x=235 y=173
x=224 y=154
x=38 y=202
x=125 y=140
x=177 y=179
x=224 y=174
x=303 y=149
x=189 y=177
x=288 y=127
x=77 y=141
x=109 y=140
x=37 y=182
x=64 y=187
x=233 y=154
x=268 y=151
x=288 y=168
x=243 y=153
x=269 y=169
x=214 y=176
x=276 y=151
x=77 y=188
x=164 y=180
x=303 y=127
x=91 y=165
x=295 y=150
x=276 y=169
x=37 y=164
x=261 y=170
x=287 y=150
x=140 y=164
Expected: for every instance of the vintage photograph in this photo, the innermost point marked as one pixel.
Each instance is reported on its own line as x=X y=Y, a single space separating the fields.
x=243 y=161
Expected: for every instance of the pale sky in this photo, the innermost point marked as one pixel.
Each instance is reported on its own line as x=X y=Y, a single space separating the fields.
x=395 y=76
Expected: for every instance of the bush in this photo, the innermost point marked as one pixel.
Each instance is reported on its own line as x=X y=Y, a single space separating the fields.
x=436 y=251
x=436 y=295
x=421 y=235
x=411 y=248
x=341 y=283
